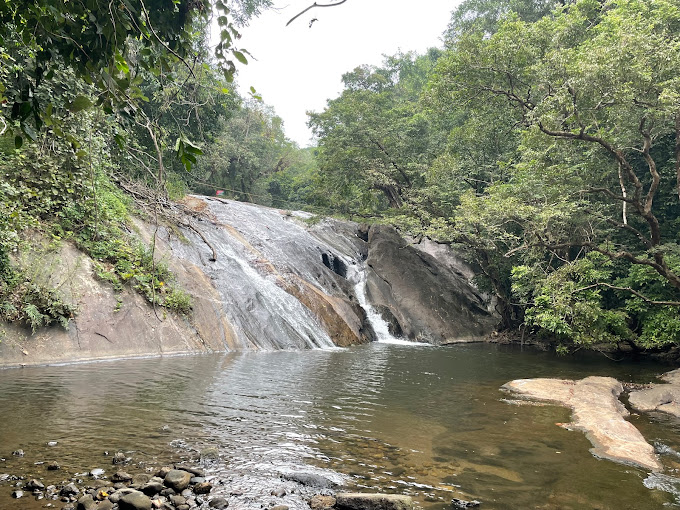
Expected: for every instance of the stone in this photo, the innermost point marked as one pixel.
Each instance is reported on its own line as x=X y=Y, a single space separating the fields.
x=210 y=454
x=120 y=458
x=162 y=472
x=34 y=484
x=53 y=466
x=140 y=479
x=18 y=453
x=69 y=490
x=310 y=480
x=462 y=503
x=218 y=503
x=17 y=494
x=105 y=505
x=361 y=501
x=597 y=411
x=167 y=492
x=664 y=398
x=279 y=507
x=121 y=477
x=190 y=469
x=151 y=488
x=320 y=502
x=178 y=500
x=202 y=488
x=177 y=479
x=52 y=443
x=134 y=501
x=97 y=472
x=86 y=503
x=279 y=492
x=196 y=479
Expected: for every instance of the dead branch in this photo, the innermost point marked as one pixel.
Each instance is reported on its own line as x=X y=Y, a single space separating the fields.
x=311 y=7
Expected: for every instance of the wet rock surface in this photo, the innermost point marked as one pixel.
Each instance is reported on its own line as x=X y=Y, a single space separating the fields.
x=429 y=297
x=664 y=398
x=597 y=411
x=362 y=501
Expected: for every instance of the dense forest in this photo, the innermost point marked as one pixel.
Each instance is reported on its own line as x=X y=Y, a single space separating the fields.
x=542 y=140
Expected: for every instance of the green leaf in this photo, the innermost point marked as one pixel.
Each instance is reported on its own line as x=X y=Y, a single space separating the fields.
x=18 y=142
x=79 y=103
x=240 y=57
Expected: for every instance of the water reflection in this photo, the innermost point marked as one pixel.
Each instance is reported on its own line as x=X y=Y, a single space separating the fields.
x=429 y=422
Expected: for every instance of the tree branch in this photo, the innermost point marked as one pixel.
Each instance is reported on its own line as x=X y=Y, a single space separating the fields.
x=311 y=7
x=632 y=291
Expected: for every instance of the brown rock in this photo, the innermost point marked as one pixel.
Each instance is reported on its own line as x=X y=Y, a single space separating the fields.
x=322 y=502
x=360 y=501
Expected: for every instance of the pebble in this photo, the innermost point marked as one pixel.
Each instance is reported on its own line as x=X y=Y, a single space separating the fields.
x=17 y=494
x=218 y=503
x=18 y=453
x=97 y=472
x=53 y=466
x=52 y=443
x=202 y=488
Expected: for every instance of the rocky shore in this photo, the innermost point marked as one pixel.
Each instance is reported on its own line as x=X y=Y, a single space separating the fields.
x=178 y=487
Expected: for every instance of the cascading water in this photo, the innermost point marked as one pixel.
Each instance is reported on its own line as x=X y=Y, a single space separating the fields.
x=357 y=275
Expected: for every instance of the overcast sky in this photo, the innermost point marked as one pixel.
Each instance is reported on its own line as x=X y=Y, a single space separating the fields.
x=298 y=68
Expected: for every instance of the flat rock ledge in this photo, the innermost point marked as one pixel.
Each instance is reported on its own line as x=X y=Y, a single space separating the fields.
x=596 y=410
x=660 y=397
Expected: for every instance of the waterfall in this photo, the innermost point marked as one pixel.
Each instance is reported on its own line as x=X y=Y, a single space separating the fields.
x=358 y=277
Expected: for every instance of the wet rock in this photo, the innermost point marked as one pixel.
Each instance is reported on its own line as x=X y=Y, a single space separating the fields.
x=105 y=505
x=140 y=479
x=210 y=454
x=178 y=500
x=426 y=288
x=167 y=492
x=53 y=466
x=279 y=492
x=184 y=507
x=177 y=479
x=218 y=503
x=17 y=494
x=162 y=472
x=4 y=477
x=151 y=488
x=52 y=443
x=202 y=488
x=660 y=397
x=196 y=479
x=69 y=490
x=360 y=501
x=134 y=500
x=121 y=477
x=35 y=485
x=279 y=507
x=310 y=480
x=97 y=472
x=120 y=458
x=598 y=412
x=190 y=469
x=18 y=453
x=86 y=503
x=462 y=503
x=320 y=502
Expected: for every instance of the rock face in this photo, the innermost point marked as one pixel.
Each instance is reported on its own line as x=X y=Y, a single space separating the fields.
x=596 y=411
x=430 y=296
x=276 y=283
x=664 y=398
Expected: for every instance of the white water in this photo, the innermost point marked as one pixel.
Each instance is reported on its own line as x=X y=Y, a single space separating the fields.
x=357 y=275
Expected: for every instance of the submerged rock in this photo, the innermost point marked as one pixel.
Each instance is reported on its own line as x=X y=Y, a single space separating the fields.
x=360 y=501
x=177 y=479
x=596 y=411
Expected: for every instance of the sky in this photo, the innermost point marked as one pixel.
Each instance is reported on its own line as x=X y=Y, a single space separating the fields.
x=297 y=68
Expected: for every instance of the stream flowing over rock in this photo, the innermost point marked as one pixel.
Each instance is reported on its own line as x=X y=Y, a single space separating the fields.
x=277 y=282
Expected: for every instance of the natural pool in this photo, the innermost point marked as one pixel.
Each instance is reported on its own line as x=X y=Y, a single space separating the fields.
x=426 y=421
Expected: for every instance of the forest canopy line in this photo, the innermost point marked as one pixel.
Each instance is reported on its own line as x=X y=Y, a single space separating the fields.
x=543 y=140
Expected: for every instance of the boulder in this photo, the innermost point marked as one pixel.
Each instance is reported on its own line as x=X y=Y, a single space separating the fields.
x=360 y=501
x=597 y=411
x=320 y=502
x=430 y=297
x=86 y=503
x=177 y=479
x=218 y=503
x=664 y=398
x=134 y=500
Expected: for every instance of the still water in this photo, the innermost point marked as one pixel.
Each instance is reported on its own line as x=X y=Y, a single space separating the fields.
x=429 y=422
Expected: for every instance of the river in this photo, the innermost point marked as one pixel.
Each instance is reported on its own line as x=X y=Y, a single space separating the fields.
x=420 y=420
